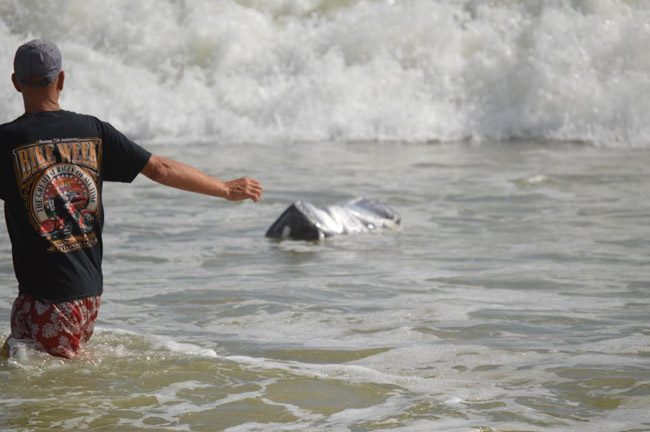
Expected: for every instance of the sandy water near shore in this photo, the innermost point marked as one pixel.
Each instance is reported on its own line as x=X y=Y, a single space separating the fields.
x=514 y=297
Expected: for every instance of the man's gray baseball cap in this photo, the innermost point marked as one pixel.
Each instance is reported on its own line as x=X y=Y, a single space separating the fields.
x=37 y=63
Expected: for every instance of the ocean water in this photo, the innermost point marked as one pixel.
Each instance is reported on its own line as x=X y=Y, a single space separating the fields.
x=512 y=138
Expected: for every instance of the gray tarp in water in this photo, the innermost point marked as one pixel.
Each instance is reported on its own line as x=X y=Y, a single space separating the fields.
x=304 y=221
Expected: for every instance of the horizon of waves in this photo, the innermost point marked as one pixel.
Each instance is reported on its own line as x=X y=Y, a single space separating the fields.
x=348 y=70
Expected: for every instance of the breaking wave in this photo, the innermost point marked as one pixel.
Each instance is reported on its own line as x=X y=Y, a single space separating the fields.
x=316 y=70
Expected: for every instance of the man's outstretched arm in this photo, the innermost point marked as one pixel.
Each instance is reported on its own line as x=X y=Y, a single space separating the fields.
x=179 y=175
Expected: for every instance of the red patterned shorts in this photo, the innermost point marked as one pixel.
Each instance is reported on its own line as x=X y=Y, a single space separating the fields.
x=59 y=328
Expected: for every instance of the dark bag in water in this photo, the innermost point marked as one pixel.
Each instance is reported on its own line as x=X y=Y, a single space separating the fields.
x=304 y=221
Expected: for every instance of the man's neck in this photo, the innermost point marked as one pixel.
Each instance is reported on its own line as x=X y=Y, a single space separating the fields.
x=42 y=99
x=41 y=106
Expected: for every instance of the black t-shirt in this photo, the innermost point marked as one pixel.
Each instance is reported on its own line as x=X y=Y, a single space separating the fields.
x=52 y=166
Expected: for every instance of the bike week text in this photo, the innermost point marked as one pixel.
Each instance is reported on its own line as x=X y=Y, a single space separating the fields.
x=33 y=158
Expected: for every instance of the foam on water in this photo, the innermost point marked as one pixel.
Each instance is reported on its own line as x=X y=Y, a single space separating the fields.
x=176 y=393
x=296 y=70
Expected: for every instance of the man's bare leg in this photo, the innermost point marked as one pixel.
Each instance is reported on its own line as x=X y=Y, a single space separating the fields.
x=4 y=352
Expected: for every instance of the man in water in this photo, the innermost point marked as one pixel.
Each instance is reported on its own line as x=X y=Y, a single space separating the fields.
x=52 y=166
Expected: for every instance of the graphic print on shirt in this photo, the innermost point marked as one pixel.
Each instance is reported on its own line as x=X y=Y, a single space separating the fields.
x=58 y=182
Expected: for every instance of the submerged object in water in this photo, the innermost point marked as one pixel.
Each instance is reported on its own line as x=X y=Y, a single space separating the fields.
x=304 y=221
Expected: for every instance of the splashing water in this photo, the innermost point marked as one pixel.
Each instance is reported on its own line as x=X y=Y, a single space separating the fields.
x=312 y=70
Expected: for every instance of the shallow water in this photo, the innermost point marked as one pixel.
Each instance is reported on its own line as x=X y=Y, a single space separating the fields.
x=514 y=297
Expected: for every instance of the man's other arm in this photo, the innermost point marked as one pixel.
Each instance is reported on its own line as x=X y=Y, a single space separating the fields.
x=182 y=176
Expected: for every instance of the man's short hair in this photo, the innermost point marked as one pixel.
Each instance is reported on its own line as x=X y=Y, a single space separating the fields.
x=37 y=63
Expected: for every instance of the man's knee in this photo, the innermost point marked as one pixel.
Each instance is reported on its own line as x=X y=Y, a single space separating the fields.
x=61 y=345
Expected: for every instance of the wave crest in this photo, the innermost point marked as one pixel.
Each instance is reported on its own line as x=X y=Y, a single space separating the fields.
x=307 y=70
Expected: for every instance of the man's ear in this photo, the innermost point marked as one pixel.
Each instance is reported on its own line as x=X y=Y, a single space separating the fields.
x=60 y=79
x=15 y=81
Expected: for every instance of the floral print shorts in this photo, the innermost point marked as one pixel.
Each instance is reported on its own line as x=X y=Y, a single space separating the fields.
x=58 y=328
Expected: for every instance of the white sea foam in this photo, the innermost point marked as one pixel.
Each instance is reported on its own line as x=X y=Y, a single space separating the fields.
x=414 y=70
x=118 y=348
x=189 y=349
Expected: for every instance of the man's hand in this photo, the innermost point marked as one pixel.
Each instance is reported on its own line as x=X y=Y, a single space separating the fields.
x=243 y=188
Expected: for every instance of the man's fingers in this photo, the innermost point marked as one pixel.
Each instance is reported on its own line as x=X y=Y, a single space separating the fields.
x=255 y=189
